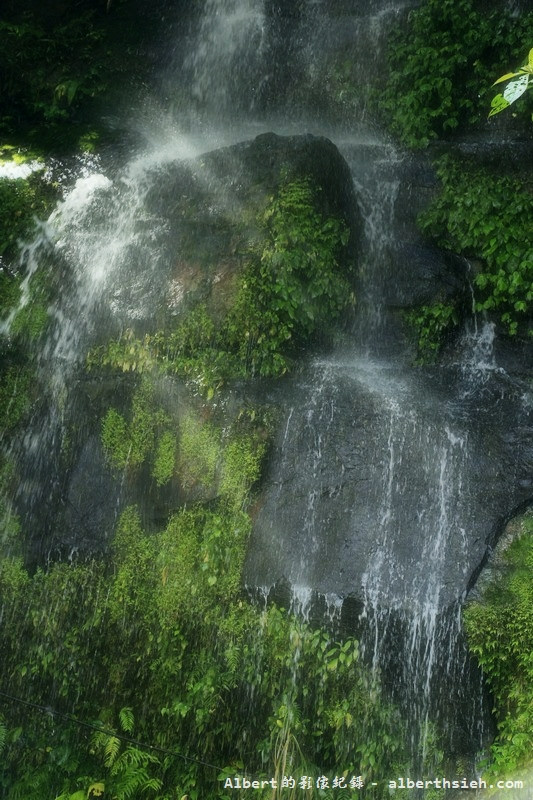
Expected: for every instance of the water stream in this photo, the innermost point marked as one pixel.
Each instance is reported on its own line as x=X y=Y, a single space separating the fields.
x=373 y=490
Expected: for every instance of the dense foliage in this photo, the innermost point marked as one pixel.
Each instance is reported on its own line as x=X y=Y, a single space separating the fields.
x=431 y=324
x=443 y=62
x=500 y=630
x=158 y=644
x=485 y=217
x=57 y=58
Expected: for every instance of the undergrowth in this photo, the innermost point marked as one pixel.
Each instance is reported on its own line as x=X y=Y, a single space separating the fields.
x=500 y=631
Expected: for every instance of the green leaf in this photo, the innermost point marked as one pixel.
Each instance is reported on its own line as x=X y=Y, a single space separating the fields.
x=498 y=104
x=506 y=77
x=516 y=88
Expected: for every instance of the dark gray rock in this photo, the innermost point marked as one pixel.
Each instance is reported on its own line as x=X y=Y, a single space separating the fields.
x=390 y=482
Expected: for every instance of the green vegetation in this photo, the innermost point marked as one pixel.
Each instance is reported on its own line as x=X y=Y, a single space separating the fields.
x=160 y=643
x=9 y=522
x=202 y=457
x=485 y=217
x=199 y=451
x=295 y=287
x=129 y=444
x=165 y=458
x=14 y=396
x=291 y=291
x=431 y=325
x=439 y=63
x=58 y=58
x=500 y=631
x=517 y=84
x=22 y=202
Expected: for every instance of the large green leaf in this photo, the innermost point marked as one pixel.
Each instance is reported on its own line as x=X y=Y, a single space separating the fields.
x=516 y=88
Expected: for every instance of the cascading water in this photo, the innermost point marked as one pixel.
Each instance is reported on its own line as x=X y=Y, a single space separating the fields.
x=374 y=508
x=227 y=62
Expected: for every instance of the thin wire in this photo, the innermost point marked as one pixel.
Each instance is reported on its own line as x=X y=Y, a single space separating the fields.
x=106 y=732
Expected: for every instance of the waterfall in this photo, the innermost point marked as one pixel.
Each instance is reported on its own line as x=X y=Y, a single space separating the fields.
x=380 y=494
x=227 y=65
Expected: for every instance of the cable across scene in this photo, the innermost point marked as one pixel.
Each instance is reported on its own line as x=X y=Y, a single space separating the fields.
x=107 y=732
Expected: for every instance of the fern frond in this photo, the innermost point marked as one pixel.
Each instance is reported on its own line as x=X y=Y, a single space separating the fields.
x=153 y=783
x=111 y=750
x=126 y=719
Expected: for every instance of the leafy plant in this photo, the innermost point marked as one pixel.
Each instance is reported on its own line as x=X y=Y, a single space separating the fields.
x=293 y=288
x=200 y=451
x=500 y=632
x=439 y=59
x=129 y=444
x=483 y=215
x=165 y=458
x=431 y=323
x=21 y=200
x=518 y=83
x=14 y=396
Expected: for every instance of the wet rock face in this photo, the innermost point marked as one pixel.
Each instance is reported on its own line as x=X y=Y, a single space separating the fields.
x=386 y=485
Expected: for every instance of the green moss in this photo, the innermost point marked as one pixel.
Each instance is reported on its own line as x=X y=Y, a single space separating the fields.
x=500 y=633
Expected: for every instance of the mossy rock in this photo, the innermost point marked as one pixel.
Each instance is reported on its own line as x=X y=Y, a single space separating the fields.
x=209 y=210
